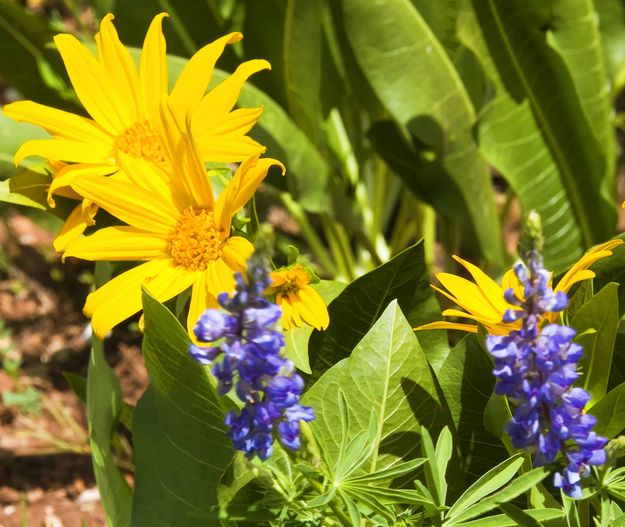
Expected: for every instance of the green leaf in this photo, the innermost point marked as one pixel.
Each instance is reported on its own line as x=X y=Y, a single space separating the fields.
x=501 y=520
x=104 y=403
x=612 y=269
x=181 y=447
x=610 y=412
x=467 y=382
x=612 y=31
x=296 y=339
x=406 y=54
x=490 y=482
x=387 y=373
x=529 y=73
x=518 y=486
x=356 y=309
x=519 y=516
x=575 y=35
x=601 y=314
x=28 y=63
x=26 y=188
x=302 y=63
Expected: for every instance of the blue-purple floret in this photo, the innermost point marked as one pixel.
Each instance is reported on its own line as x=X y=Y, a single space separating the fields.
x=535 y=368
x=246 y=339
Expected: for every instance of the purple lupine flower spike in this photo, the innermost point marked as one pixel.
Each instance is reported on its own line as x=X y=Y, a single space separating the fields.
x=535 y=368
x=251 y=362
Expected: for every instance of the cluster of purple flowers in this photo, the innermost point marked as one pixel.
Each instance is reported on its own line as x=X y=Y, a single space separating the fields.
x=535 y=367
x=250 y=348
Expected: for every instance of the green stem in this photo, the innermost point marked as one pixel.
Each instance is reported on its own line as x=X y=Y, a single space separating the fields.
x=309 y=233
x=339 y=245
x=584 y=513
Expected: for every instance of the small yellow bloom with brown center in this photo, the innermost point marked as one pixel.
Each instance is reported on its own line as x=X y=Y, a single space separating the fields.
x=300 y=303
x=124 y=106
x=174 y=224
x=483 y=300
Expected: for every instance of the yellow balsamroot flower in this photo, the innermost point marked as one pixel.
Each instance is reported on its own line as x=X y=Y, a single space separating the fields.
x=483 y=300
x=300 y=303
x=175 y=225
x=124 y=105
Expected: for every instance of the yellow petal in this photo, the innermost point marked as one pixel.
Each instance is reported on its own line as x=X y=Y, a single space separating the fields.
x=196 y=75
x=219 y=278
x=58 y=122
x=241 y=188
x=236 y=252
x=65 y=176
x=221 y=99
x=118 y=244
x=147 y=175
x=491 y=291
x=468 y=296
x=131 y=204
x=65 y=150
x=287 y=312
x=153 y=68
x=236 y=123
x=201 y=300
x=92 y=85
x=471 y=328
x=315 y=312
x=121 y=297
x=579 y=271
x=228 y=149
x=71 y=231
x=120 y=67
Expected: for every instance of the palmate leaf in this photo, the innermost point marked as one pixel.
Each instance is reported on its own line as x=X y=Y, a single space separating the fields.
x=181 y=446
x=502 y=520
x=387 y=373
x=536 y=131
x=415 y=79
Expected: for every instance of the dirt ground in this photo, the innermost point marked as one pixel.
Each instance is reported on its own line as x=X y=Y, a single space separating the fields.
x=46 y=477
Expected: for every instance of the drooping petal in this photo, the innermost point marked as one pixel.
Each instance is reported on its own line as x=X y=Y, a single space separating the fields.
x=118 y=244
x=221 y=99
x=120 y=67
x=580 y=271
x=65 y=150
x=196 y=75
x=131 y=204
x=241 y=188
x=236 y=251
x=58 y=122
x=219 y=278
x=69 y=173
x=201 y=300
x=92 y=85
x=442 y=324
x=71 y=231
x=313 y=308
x=153 y=68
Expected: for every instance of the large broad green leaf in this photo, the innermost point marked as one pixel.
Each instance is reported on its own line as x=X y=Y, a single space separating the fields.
x=600 y=313
x=535 y=76
x=575 y=34
x=610 y=413
x=612 y=269
x=104 y=404
x=181 y=447
x=302 y=63
x=467 y=382
x=612 y=31
x=387 y=374
x=441 y=18
x=28 y=64
x=356 y=309
x=416 y=80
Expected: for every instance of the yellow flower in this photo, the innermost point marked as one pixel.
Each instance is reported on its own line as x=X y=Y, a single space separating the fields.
x=483 y=300
x=124 y=105
x=300 y=303
x=174 y=224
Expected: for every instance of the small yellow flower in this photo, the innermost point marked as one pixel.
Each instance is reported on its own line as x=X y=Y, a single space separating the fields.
x=300 y=303
x=174 y=224
x=124 y=105
x=483 y=300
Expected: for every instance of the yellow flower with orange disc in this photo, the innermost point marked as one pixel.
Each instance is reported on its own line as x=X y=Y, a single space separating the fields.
x=483 y=299
x=123 y=103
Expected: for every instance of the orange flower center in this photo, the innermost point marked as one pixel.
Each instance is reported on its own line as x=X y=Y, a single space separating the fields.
x=141 y=141
x=290 y=280
x=196 y=240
